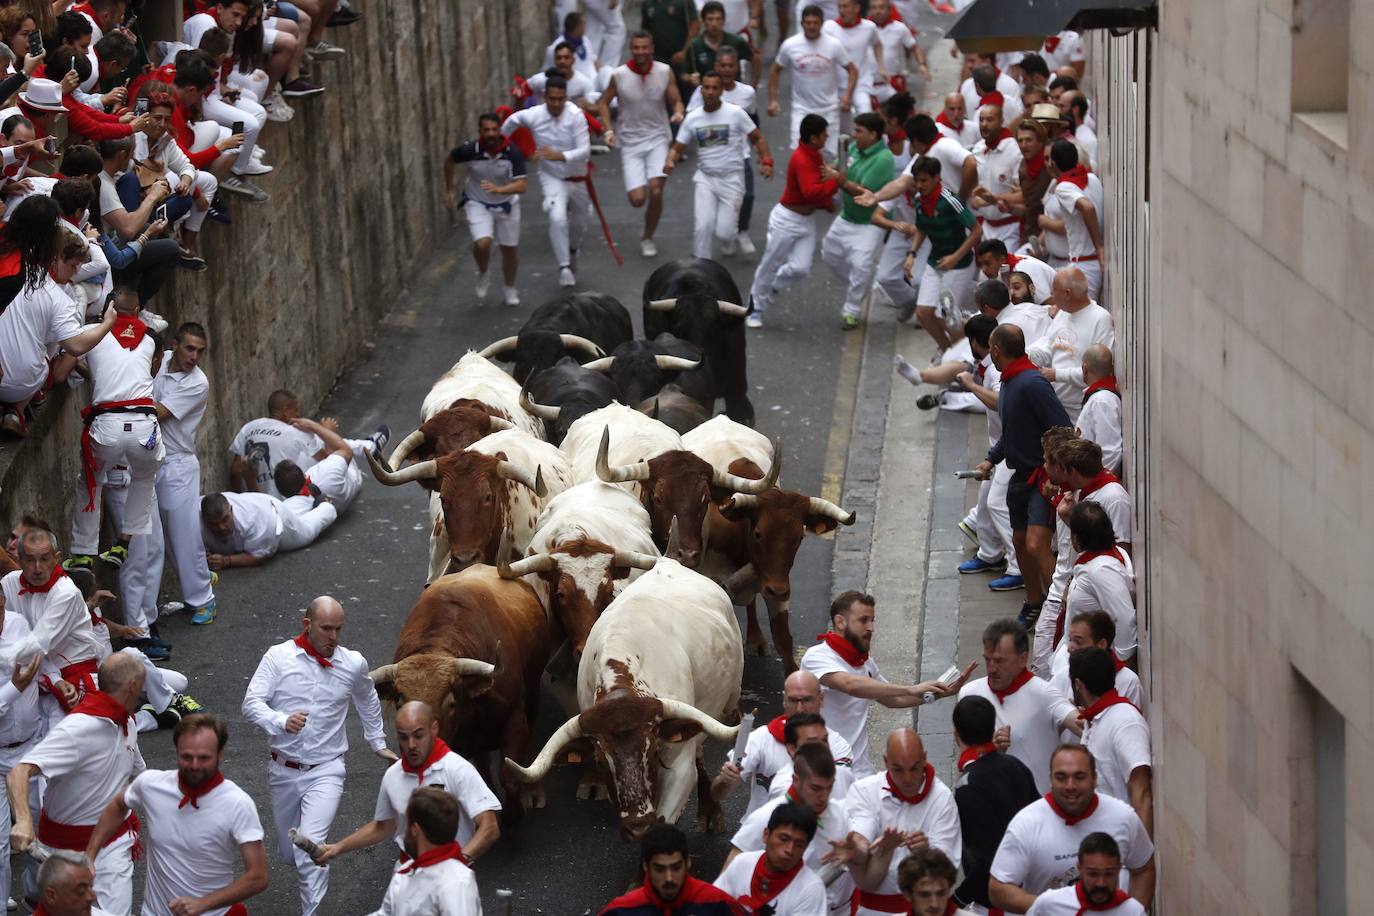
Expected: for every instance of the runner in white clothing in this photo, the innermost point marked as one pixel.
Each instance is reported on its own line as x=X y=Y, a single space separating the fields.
x=815 y=60
x=1102 y=577
x=247 y=529
x=1098 y=888
x=1091 y=628
x=1070 y=211
x=999 y=163
x=21 y=719
x=899 y=46
x=1099 y=419
x=927 y=879
x=605 y=31
x=773 y=877
x=438 y=881
x=863 y=49
x=1115 y=731
x=646 y=90
x=1079 y=323
x=197 y=828
x=805 y=728
x=299 y=695
x=736 y=92
x=66 y=886
x=581 y=91
x=334 y=477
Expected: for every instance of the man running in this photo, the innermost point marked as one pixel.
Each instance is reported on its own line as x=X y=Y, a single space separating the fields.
x=815 y=60
x=490 y=201
x=850 y=246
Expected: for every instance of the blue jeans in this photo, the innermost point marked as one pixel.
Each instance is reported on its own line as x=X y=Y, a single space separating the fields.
x=131 y=196
x=288 y=11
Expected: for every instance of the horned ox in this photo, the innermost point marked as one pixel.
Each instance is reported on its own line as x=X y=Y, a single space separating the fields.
x=640 y=368
x=662 y=667
x=476 y=381
x=499 y=484
x=753 y=538
x=582 y=325
x=675 y=409
x=474 y=647
x=565 y=391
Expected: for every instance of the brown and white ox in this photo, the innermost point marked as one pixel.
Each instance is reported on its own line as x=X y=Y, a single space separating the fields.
x=661 y=669
x=753 y=538
x=477 y=381
x=474 y=647
x=496 y=486
x=620 y=445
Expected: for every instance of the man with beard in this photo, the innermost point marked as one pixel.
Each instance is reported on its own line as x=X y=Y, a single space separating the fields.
x=437 y=880
x=491 y=201
x=926 y=878
x=196 y=824
x=668 y=889
x=850 y=680
x=775 y=880
x=1098 y=887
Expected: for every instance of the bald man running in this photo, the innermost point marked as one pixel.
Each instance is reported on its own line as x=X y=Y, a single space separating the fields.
x=299 y=695
x=766 y=753
x=425 y=761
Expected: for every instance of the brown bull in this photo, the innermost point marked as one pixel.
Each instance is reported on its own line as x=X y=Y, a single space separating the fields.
x=473 y=648
x=449 y=430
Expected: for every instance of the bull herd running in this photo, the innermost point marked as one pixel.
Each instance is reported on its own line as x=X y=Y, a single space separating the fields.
x=604 y=543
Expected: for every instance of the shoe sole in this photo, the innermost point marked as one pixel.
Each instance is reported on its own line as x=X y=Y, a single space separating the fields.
x=967 y=531
x=301 y=93
x=1006 y=588
x=995 y=567
x=202 y=623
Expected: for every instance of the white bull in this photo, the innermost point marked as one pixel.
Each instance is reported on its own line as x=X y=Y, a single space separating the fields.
x=476 y=378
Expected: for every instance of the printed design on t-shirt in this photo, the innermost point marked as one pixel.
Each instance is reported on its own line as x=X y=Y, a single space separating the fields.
x=259 y=457
x=712 y=135
x=813 y=64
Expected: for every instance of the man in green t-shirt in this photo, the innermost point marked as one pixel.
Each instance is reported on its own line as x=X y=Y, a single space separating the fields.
x=954 y=232
x=672 y=23
x=701 y=53
x=850 y=247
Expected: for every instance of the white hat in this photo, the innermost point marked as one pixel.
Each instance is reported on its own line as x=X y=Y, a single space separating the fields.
x=43 y=94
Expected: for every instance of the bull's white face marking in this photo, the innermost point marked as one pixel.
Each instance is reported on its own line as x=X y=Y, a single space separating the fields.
x=587 y=573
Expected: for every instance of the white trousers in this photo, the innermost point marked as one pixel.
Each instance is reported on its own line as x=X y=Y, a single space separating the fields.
x=120 y=439
x=849 y=249
x=161 y=685
x=306 y=800
x=787 y=254
x=832 y=118
x=114 y=877
x=178 y=502
x=891 y=266
x=1043 y=649
x=605 y=31
x=717 y=199
x=140 y=577
x=9 y=759
x=207 y=184
x=253 y=116
x=569 y=209
x=301 y=524
x=994 y=520
x=1092 y=272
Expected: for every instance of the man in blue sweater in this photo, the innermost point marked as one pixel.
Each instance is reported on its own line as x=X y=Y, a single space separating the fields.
x=1028 y=407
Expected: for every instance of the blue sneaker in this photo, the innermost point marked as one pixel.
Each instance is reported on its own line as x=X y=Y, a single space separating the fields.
x=979 y=565
x=205 y=615
x=1007 y=583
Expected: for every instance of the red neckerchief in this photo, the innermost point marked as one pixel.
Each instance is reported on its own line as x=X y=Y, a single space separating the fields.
x=1013 y=260
x=435 y=753
x=1090 y=555
x=943 y=118
x=920 y=796
x=1071 y=819
x=930 y=202
x=435 y=855
x=1117 y=663
x=897 y=137
x=128 y=331
x=1035 y=165
x=1110 y=698
x=853 y=25
x=1016 y=367
x=992 y=98
x=634 y=67
x=1106 y=383
x=86 y=8
x=1016 y=684
x=26 y=589
x=975 y=752
x=100 y=704
x=1118 y=898
x=1052 y=43
x=765 y=885
x=1004 y=135
x=193 y=794
x=844 y=649
x=775 y=728
x=311 y=651
x=1078 y=175
x=1103 y=478
x=304 y=491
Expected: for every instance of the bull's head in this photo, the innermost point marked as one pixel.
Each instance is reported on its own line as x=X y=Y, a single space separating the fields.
x=445 y=683
x=639 y=372
x=777 y=520
x=629 y=731
x=535 y=350
x=450 y=430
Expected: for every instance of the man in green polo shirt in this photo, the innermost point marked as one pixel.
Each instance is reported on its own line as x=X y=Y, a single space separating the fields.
x=851 y=246
x=701 y=53
x=954 y=233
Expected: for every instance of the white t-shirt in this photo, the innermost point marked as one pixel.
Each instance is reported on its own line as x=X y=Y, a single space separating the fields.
x=1119 y=739
x=1061 y=348
x=194 y=29
x=583 y=62
x=451 y=773
x=844 y=778
x=766 y=756
x=578 y=86
x=741 y=94
x=873 y=808
x=721 y=138
x=1076 y=228
x=804 y=896
x=447 y=888
x=736 y=15
x=997 y=171
x=643 y=115
x=109 y=194
x=86 y=760
x=1106 y=584
x=185 y=395
x=568 y=133
x=858 y=41
x=966 y=136
x=1116 y=502
x=1011 y=97
x=816 y=68
x=1067 y=49
x=896 y=40
x=192 y=850
x=1040 y=852
x=1127 y=681
x=1032 y=319
x=257 y=527
x=833 y=825
x=845 y=714
x=337 y=477
x=1099 y=420
x=1035 y=713
x=266 y=442
x=119 y=374
x=31 y=327
x=951 y=157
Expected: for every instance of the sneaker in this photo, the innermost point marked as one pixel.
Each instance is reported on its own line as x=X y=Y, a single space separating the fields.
x=155 y=637
x=753 y=320
x=647 y=248
x=729 y=246
x=745 y=244
x=929 y=401
x=79 y=561
x=512 y=295
x=979 y=565
x=566 y=277
x=185 y=704
x=155 y=322
x=1007 y=583
x=849 y=322
x=600 y=149
x=219 y=211
x=168 y=718
x=13 y=423
x=277 y=111
x=205 y=615
x=323 y=50
x=1028 y=616
x=153 y=651
x=259 y=152
x=171 y=607
x=483 y=285
x=969 y=531
x=237 y=184
x=214 y=578
x=254 y=167
x=380 y=437
x=343 y=16
x=905 y=312
x=193 y=262
x=116 y=555
x=299 y=88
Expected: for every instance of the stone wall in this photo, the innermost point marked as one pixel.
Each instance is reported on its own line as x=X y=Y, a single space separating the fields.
x=295 y=287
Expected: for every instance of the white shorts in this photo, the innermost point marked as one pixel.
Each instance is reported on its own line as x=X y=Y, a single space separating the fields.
x=642 y=163
x=958 y=282
x=269 y=38
x=492 y=222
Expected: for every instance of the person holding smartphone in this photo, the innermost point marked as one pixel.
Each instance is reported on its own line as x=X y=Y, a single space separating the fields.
x=192 y=189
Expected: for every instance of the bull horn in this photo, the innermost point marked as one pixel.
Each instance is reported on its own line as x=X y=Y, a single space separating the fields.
x=497 y=424
x=673 y=547
x=573 y=342
x=672 y=363
x=634 y=559
x=662 y=305
x=423 y=470
x=495 y=348
x=570 y=730
x=511 y=471
x=744 y=501
x=732 y=308
x=542 y=411
x=600 y=365
x=540 y=562
x=740 y=579
x=830 y=510
x=749 y=486
x=621 y=472
x=405 y=447
x=470 y=667
x=676 y=709
x=383 y=675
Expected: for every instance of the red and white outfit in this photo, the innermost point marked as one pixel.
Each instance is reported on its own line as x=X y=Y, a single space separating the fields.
x=1061 y=202
x=446 y=770
x=121 y=430
x=875 y=804
x=1062 y=345
x=1118 y=736
x=1127 y=681
x=1062 y=50
x=832 y=826
x=184 y=395
x=563 y=184
x=266 y=442
x=642 y=129
x=858 y=40
x=844 y=776
x=765 y=755
x=791 y=244
x=1099 y=420
x=192 y=838
x=1104 y=582
x=897 y=40
x=306 y=771
x=845 y=714
x=30 y=327
x=998 y=168
x=1035 y=713
x=798 y=892
x=1069 y=901
x=966 y=134
x=1010 y=102
x=337 y=479
x=1042 y=281
x=1040 y=848
x=61 y=628
x=818 y=79
x=87 y=758
x=21 y=726
x=435 y=883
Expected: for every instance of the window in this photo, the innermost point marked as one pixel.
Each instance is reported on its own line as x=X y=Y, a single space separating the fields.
x=1321 y=68
x=1319 y=820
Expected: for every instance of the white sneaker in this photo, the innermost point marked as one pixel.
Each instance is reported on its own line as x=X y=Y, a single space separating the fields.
x=155 y=322
x=728 y=246
x=258 y=153
x=512 y=296
x=746 y=244
x=754 y=320
x=277 y=108
x=483 y=284
x=647 y=248
x=11 y=904
x=255 y=167
x=566 y=278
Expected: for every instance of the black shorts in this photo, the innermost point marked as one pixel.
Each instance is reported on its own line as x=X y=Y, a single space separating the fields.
x=1026 y=504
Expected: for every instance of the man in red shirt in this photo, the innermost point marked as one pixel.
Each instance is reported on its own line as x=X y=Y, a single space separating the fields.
x=668 y=889
x=791 y=230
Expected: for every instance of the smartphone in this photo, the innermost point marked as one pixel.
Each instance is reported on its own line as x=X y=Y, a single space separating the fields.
x=51 y=146
x=141 y=106
x=131 y=22
x=237 y=128
x=35 y=43
x=160 y=213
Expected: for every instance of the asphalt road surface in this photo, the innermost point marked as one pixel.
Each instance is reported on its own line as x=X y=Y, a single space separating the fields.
x=567 y=858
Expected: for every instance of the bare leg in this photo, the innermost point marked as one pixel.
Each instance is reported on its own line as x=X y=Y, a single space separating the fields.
x=925 y=314
x=510 y=259
x=651 y=215
x=481 y=253
x=638 y=196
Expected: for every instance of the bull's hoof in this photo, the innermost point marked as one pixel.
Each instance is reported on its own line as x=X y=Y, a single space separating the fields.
x=532 y=797
x=756 y=644
x=711 y=823
x=592 y=787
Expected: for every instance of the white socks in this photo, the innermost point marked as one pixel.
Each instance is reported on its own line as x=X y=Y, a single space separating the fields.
x=907 y=371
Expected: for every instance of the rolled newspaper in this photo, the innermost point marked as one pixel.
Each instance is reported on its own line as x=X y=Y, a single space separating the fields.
x=746 y=727
x=949 y=677
x=830 y=872
x=304 y=844
x=38 y=852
